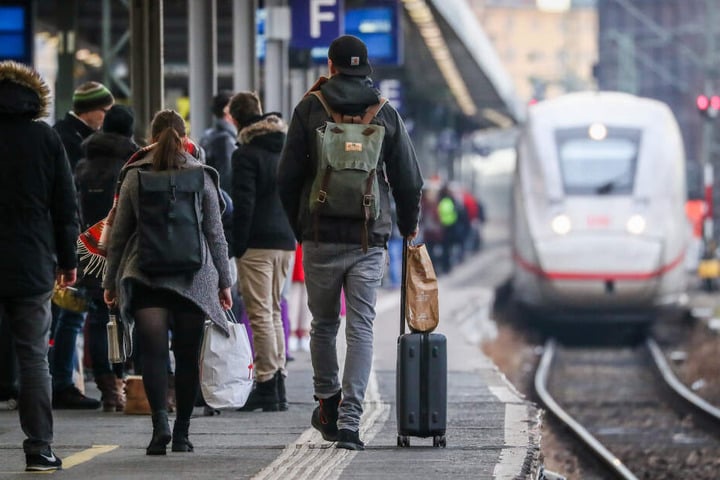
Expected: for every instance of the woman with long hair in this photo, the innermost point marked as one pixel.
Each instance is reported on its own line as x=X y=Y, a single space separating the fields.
x=160 y=303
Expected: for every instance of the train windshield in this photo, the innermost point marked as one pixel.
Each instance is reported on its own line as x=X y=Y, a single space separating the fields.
x=603 y=165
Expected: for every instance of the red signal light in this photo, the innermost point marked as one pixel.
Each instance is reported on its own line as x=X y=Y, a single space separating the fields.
x=715 y=102
x=703 y=102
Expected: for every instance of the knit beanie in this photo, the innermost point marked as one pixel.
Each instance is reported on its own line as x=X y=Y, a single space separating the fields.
x=91 y=96
x=119 y=119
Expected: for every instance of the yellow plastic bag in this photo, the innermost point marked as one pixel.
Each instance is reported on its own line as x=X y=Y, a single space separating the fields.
x=70 y=298
x=709 y=268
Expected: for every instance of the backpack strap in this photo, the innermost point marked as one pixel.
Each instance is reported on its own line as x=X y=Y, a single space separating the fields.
x=337 y=118
x=370 y=113
x=373 y=110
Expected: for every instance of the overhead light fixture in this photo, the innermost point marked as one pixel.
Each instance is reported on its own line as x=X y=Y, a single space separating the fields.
x=423 y=18
x=555 y=6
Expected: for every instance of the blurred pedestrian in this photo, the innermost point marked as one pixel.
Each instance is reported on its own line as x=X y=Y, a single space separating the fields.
x=38 y=231
x=299 y=338
x=337 y=253
x=8 y=367
x=448 y=214
x=263 y=243
x=96 y=177
x=158 y=304
x=219 y=140
x=90 y=103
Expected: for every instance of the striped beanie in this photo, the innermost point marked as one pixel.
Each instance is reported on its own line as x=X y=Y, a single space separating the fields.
x=91 y=96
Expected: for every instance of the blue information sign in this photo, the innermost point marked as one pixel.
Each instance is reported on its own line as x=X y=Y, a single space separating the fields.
x=377 y=25
x=16 y=36
x=315 y=23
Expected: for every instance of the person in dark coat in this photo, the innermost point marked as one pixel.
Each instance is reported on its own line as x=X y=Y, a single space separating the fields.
x=96 y=176
x=333 y=253
x=91 y=101
x=263 y=243
x=38 y=230
x=218 y=141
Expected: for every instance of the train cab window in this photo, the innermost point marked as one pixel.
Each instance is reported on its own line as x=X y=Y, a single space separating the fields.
x=598 y=166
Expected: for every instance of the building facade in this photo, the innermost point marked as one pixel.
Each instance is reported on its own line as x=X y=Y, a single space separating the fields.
x=546 y=53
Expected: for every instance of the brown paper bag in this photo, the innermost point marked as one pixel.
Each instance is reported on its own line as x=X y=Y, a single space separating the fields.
x=422 y=311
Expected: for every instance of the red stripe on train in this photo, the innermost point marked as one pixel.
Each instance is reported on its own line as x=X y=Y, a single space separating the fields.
x=554 y=275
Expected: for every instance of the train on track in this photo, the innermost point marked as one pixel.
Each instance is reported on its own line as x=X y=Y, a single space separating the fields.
x=599 y=229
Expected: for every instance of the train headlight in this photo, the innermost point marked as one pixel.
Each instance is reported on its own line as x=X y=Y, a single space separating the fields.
x=561 y=224
x=636 y=224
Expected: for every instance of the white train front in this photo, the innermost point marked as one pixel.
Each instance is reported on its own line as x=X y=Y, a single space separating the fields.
x=599 y=223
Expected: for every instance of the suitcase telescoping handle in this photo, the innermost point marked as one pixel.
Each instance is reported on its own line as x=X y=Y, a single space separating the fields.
x=403 y=284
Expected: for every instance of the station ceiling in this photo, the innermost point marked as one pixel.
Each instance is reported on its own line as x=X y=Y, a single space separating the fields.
x=487 y=86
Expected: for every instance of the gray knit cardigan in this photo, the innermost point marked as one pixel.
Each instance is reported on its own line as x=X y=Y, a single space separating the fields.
x=201 y=287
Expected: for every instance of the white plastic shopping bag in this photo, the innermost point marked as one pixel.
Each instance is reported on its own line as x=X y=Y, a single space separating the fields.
x=226 y=365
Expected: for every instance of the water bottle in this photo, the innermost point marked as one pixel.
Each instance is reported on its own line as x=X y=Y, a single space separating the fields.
x=116 y=352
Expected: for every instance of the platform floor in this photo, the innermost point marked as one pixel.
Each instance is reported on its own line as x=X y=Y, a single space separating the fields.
x=492 y=432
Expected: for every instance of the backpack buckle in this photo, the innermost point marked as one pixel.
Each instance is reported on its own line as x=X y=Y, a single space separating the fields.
x=368 y=200
x=322 y=195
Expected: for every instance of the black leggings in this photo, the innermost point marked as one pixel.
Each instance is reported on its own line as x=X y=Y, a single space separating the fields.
x=152 y=325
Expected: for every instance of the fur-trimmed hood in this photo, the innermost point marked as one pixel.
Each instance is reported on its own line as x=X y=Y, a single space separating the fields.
x=270 y=126
x=23 y=92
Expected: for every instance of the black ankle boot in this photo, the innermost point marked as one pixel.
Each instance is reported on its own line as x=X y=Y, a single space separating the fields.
x=282 y=397
x=264 y=395
x=324 y=417
x=161 y=434
x=180 y=440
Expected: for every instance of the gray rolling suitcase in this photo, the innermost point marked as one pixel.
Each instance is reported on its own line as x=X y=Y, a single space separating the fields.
x=421 y=380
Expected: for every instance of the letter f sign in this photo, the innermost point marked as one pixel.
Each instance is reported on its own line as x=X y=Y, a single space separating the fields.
x=317 y=16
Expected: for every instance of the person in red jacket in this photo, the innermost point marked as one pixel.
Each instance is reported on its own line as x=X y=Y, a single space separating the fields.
x=299 y=338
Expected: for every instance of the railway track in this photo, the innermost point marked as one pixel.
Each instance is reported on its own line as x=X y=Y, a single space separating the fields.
x=630 y=411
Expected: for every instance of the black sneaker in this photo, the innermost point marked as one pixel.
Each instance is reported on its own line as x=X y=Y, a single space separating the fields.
x=349 y=440
x=72 y=399
x=324 y=417
x=45 y=461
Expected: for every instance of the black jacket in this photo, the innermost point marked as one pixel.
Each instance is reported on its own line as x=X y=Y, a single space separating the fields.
x=38 y=207
x=96 y=175
x=351 y=96
x=219 y=144
x=73 y=131
x=258 y=217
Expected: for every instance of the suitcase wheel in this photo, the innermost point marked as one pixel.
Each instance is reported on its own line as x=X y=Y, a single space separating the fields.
x=438 y=441
x=403 y=441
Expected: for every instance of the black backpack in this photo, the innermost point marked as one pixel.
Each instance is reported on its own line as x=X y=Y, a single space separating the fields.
x=170 y=237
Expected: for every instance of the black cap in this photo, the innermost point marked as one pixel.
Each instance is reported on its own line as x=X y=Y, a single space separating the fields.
x=349 y=56
x=119 y=119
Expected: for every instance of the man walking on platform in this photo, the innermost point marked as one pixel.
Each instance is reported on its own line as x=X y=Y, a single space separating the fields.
x=38 y=230
x=345 y=253
x=91 y=101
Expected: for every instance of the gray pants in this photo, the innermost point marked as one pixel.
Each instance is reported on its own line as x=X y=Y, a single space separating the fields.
x=29 y=319
x=330 y=267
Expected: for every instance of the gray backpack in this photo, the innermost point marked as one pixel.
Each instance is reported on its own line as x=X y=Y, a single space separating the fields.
x=345 y=183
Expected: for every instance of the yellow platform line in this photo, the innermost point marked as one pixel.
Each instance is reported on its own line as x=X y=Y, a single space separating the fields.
x=86 y=455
